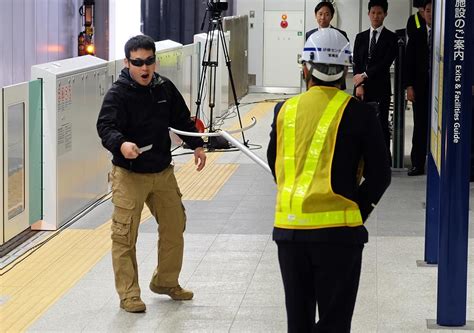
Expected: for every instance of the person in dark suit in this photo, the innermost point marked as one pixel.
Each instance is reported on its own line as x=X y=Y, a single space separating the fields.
x=417 y=82
x=324 y=12
x=375 y=50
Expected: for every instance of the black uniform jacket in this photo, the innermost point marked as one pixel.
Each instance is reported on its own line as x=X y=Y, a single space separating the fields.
x=359 y=136
x=411 y=24
x=142 y=115
x=377 y=86
x=417 y=61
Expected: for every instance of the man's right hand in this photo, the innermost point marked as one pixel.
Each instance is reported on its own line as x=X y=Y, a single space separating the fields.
x=360 y=92
x=129 y=150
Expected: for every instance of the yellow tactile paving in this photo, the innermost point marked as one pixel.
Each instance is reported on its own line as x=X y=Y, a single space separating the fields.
x=205 y=184
x=258 y=111
x=43 y=277
x=47 y=275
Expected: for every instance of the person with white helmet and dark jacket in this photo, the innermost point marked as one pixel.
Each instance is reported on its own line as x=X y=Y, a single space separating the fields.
x=133 y=125
x=322 y=143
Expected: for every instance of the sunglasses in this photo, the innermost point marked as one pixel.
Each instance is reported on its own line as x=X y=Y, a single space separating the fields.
x=140 y=62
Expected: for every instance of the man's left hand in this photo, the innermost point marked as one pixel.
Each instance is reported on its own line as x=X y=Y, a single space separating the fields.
x=358 y=79
x=199 y=158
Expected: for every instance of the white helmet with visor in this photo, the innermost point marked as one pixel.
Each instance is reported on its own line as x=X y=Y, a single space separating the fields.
x=326 y=53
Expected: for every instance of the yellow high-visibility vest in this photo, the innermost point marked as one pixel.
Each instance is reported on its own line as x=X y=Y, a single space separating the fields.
x=307 y=127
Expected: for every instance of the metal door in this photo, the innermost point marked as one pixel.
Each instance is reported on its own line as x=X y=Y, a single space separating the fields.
x=283 y=42
x=15 y=147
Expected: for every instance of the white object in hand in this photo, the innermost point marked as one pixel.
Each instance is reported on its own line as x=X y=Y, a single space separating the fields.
x=145 y=148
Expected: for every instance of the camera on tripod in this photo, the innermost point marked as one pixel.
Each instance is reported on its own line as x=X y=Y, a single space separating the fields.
x=215 y=38
x=217 y=6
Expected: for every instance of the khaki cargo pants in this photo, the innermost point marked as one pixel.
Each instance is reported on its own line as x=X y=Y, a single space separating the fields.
x=161 y=194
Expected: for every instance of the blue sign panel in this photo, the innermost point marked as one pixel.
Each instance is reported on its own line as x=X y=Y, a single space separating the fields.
x=453 y=161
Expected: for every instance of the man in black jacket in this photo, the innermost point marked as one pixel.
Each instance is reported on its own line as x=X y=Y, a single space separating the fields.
x=318 y=142
x=417 y=80
x=375 y=50
x=133 y=125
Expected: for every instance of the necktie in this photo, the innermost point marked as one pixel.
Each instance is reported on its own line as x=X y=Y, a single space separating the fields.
x=373 y=41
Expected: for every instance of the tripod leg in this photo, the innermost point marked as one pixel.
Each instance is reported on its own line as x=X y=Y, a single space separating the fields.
x=206 y=60
x=231 y=77
x=210 y=62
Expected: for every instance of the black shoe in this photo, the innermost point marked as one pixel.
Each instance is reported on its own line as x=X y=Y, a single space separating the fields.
x=415 y=171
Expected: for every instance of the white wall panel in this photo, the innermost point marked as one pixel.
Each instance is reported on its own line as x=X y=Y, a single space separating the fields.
x=282 y=48
x=255 y=11
x=30 y=36
x=279 y=5
x=6 y=51
x=53 y=30
x=398 y=13
x=18 y=43
x=67 y=38
x=34 y=32
x=310 y=21
x=125 y=22
x=41 y=46
x=348 y=17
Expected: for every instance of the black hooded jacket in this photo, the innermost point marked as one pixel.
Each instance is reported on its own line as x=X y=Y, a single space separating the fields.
x=142 y=115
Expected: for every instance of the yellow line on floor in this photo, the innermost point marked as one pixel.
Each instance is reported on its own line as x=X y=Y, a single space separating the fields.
x=43 y=277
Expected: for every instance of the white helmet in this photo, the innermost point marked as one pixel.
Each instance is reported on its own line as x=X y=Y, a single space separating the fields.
x=329 y=47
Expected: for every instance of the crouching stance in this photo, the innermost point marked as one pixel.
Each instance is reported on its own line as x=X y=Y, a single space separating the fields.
x=133 y=125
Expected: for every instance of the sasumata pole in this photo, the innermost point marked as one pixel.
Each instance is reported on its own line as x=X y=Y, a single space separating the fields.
x=227 y=135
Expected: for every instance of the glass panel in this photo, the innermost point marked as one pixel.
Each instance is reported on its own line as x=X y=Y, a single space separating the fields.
x=16 y=159
x=35 y=141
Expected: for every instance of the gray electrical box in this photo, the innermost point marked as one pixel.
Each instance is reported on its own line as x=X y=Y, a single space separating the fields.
x=75 y=166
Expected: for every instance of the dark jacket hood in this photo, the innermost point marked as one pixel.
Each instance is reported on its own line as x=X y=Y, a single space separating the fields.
x=126 y=79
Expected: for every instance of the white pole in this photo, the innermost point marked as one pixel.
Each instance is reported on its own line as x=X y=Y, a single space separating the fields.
x=246 y=151
x=232 y=140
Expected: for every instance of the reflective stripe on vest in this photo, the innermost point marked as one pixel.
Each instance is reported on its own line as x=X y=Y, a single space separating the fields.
x=289 y=156
x=293 y=193
x=318 y=220
x=417 y=21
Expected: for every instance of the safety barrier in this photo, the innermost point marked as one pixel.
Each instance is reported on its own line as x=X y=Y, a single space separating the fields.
x=398 y=144
x=44 y=171
x=20 y=184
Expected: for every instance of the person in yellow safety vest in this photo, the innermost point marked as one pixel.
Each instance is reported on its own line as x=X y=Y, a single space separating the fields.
x=318 y=143
x=416 y=21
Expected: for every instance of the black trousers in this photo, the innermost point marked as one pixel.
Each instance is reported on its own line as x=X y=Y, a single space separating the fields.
x=326 y=274
x=420 y=131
